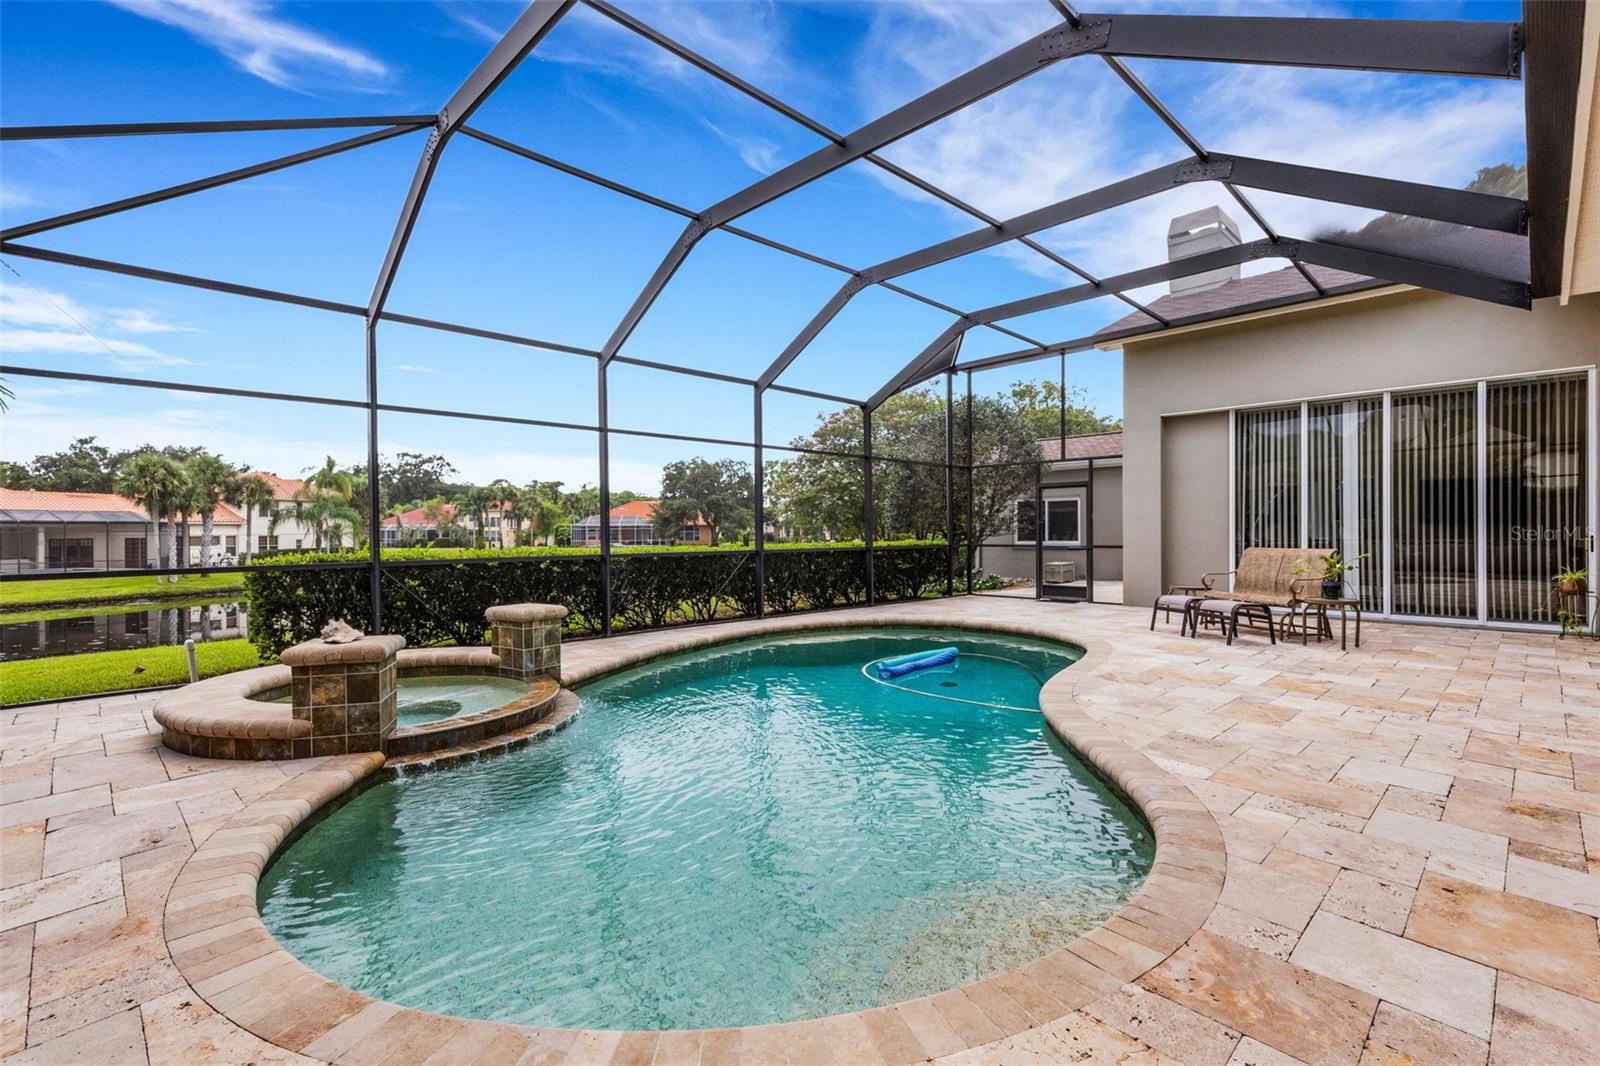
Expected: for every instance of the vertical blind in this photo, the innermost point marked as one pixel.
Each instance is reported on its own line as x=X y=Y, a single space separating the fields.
x=1537 y=517
x=1435 y=503
x=1529 y=520
x=1267 y=486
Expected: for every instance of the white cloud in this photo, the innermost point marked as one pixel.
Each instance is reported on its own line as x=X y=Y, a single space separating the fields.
x=255 y=38
x=12 y=198
x=34 y=321
x=416 y=368
x=1075 y=126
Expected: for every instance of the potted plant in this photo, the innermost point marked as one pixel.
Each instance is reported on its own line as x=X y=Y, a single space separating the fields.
x=1572 y=582
x=1334 y=566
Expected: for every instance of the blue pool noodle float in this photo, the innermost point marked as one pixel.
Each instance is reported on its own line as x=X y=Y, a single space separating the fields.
x=905 y=664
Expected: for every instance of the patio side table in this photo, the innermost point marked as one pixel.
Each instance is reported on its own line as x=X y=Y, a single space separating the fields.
x=1319 y=606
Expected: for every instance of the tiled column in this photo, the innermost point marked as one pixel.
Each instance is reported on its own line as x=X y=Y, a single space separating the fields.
x=527 y=638
x=346 y=692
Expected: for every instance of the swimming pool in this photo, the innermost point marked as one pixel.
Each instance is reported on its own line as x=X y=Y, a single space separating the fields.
x=757 y=833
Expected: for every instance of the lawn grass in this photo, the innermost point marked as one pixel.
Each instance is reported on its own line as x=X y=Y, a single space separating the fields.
x=62 y=677
x=76 y=591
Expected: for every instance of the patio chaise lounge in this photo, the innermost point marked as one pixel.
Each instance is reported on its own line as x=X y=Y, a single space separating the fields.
x=1266 y=578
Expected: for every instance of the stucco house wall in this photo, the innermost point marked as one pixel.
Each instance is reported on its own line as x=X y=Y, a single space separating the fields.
x=1176 y=456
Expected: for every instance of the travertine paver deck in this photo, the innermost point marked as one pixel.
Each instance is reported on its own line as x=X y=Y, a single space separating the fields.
x=1412 y=856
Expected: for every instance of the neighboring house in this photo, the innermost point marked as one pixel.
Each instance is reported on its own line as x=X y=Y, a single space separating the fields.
x=227 y=534
x=634 y=522
x=1081 y=493
x=1449 y=442
x=289 y=532
x=73 y=531
x=42 y=530
x=417 y=526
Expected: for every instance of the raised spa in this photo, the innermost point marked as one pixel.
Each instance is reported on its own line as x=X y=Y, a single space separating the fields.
x=758 y=833
x=431 y=698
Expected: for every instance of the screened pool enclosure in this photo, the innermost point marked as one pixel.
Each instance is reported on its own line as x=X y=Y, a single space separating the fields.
x=873 y=507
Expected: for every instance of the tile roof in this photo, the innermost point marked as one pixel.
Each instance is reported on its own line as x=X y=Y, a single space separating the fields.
x=1083 y=446
x=105 y=506
x=283 y=488
x=92 y=506
x=1239 y=293
x=417 y=516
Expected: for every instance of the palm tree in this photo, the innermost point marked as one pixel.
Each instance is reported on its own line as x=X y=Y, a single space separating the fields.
x=157 y=484
x=250 y=491
x=210 y=482
x=325 y=514
x=331 y=479
x=503 y=496
x=475 y=503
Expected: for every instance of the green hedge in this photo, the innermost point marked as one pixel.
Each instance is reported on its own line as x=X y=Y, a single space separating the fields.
x=438 y=596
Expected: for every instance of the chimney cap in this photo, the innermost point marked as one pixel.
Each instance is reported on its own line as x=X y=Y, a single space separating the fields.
x=1205 y=218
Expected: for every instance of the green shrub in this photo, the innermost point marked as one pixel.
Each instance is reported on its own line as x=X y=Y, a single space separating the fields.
x=438 y=596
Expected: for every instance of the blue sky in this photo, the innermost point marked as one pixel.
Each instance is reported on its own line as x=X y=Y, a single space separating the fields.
x=507 y=244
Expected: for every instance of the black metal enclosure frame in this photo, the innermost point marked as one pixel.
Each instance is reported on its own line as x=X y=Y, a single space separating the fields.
x=1485 y=49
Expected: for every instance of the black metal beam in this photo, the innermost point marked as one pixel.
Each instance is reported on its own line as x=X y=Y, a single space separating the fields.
x=1422 y=273
x=524 y=34
x=1390 y=267
x=1555 y=64
x=1503 y=213
x=249 y=125
x=1402 y=46
x=172 y=192
x=109 y=266
x=983 y=80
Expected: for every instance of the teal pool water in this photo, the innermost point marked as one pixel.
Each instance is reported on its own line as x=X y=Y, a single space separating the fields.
x=757 y=833
x=419 y=700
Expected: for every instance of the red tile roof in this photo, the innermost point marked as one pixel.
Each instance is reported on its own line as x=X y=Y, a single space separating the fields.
x=71 y=502
x=42 y=500
x=642 y=509
x=283 y=488
x=417 y=516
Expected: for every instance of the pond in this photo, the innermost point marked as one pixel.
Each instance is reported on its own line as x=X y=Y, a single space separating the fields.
x=131 y=625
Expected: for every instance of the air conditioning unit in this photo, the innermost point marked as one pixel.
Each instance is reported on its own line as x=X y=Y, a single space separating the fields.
x=1060 y=573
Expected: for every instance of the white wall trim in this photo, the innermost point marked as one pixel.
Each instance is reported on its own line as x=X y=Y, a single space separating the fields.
x=1357 y=394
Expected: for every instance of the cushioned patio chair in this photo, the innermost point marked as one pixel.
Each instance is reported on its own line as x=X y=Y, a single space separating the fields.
x=1274 y=577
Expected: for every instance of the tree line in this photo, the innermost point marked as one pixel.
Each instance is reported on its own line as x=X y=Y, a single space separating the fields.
x=817 y=494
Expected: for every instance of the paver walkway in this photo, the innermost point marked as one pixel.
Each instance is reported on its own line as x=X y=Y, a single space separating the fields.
x=1412 y=836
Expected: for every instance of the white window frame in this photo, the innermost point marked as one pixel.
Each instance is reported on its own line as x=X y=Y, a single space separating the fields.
x=1480 y=384
x=1076 y=500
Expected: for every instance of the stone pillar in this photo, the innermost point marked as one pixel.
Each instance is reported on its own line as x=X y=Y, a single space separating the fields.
x=346 y=692
x=527 y=639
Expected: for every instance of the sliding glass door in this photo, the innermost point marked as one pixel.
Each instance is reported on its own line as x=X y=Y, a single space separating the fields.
x=1458 y=503
x=1435 y=479
x=1537 y=473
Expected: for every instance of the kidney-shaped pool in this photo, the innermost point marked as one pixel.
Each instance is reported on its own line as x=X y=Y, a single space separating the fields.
x=760 y=832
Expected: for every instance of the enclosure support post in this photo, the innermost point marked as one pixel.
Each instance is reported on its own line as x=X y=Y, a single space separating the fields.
x=604 y=437
x=866 y=478
x=374 y=496
x=949 y=482
x=761 y=514
x=971 y=487
x=1088 y=534
x=1038 y=531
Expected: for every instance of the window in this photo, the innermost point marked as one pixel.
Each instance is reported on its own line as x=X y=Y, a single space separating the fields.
x=690 y=534
x=266 y=543
x=265 y=510
x=231 y=543
x=71 y=552
x=1063 y=522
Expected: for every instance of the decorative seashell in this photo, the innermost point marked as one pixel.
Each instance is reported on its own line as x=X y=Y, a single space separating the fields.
x=338 y=631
